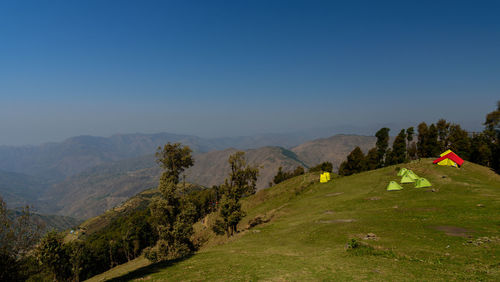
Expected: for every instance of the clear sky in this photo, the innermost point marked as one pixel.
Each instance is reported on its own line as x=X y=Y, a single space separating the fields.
x=226 y=68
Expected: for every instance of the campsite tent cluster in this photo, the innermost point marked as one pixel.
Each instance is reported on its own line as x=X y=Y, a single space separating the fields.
x=324 y=177
x=447 y=158
x=408 y=176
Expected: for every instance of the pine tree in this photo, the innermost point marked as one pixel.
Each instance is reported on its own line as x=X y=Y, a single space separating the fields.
x=459 y=141
x=432 y=146
x=492 y=132
x=410 y=131
x=280 y=176
x=382 y=145
x=372 y=159
x=443 y=129
x=399 y=148
x=480 y=151
x=422 y=140
x=355 y=163
x=412 y=151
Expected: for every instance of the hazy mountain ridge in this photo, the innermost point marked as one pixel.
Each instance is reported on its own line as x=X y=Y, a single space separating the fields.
x=108 y=181
x=333 y=149
x=49 y=222
x=56 y=161
x=102 y=187
x=19 y=190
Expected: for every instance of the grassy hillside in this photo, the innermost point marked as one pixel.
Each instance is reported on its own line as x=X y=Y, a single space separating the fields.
x=447 y=232
x=138 y=202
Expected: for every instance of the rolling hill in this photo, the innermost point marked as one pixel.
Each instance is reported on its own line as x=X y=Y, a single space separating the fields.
x=101 y=188
x=333 y=149
x=49 y=222
x=18 y=190
x=212 y=168
x=353 y=229
x=84 y=176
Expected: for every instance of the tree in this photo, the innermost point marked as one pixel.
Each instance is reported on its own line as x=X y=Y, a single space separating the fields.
x=480 y=151
x=324 y=166
x=432 y=145
x=355 y=163
x=52 y=256
x=78 y=254
x=412 y=151
x=372 y=159
x=389 y=159
x=282 y=176
x=410 y=131
x=241 y=182
x=18 y=235
x=382 y=144
x=422 y=140
x=398 y=153
x=443 y=128
x=492 y=132
x=459 y=141
x=300 y=170
x=171 y=214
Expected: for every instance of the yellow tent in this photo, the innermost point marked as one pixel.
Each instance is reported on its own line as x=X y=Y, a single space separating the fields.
x=447 y=162
x=446 y=153
x=322 y=178
x=327 y=174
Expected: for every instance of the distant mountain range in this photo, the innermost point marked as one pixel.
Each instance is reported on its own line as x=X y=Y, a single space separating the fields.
x=56 y=161
x=84 y=176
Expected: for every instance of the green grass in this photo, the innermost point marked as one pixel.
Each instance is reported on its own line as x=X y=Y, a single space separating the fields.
x=307 y=238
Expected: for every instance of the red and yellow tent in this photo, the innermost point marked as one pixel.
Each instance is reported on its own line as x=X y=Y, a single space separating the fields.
x=450 y=159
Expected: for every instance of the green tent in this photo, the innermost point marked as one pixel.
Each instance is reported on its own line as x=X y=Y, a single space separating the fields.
x=393 y=186
x=422 y=182
x=412 y=175
x=402 y=171
x=407 y=179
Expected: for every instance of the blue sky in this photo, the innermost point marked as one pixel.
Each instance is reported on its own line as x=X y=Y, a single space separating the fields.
x=226 y=68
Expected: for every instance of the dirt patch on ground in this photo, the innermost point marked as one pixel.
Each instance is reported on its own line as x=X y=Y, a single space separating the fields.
x=452 y=230
x=337 y=220
x=374 y=198
x=334 y=194
x=328 y=212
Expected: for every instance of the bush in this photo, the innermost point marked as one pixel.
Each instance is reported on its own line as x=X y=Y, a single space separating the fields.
x=359 y=248
x=325 y=166
x=353 y=244
x=151 y=254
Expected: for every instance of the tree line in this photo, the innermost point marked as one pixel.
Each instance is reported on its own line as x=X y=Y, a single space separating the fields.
x=479 y=147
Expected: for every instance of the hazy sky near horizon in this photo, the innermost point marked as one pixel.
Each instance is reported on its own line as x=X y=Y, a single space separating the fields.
x=227 y=68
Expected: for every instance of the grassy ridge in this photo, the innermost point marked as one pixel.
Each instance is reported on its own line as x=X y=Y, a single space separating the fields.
x=447 y=232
